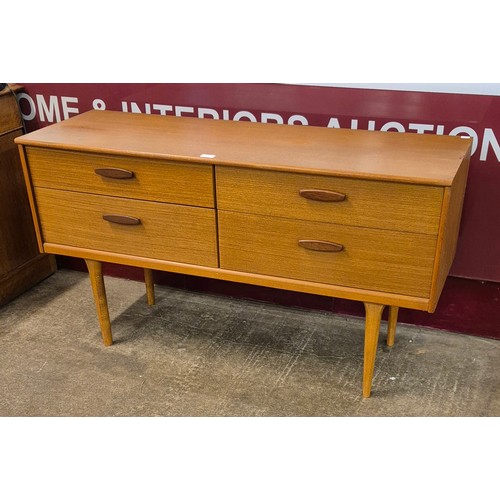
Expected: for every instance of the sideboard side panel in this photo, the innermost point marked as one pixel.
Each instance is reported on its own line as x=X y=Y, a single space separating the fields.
x=448 y=232
x=31 y=197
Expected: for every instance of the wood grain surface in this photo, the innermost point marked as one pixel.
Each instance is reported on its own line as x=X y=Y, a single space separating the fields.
x=21 y=265
x=10 y=116
x=152 y=179
x=412 y=158
x=170 y=232
x=295 y=285
x=372 y=259
x=385 y=205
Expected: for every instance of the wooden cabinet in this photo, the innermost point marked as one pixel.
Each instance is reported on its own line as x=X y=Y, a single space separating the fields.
x=368 y=216
x=21 y=264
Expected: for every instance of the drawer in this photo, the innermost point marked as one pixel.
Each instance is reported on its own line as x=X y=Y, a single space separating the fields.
x=166 y=231
x=367 y=203
x=156 y=180
x=371 y=259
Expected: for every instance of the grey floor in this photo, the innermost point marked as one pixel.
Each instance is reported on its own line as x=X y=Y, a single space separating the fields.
x=195 y=354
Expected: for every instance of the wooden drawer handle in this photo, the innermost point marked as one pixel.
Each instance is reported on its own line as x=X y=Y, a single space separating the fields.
x=114 y=173
x=321 y=246
x=321 y=195
x=125 y=220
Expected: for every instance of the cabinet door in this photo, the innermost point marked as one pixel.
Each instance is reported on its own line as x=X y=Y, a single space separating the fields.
x=17 y=235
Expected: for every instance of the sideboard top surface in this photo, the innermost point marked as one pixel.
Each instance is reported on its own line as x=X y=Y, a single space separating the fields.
x=392 y=156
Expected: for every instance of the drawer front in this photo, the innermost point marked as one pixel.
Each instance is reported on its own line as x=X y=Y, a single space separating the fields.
x=384 y=205
x=156 y=180
x=371 y=259
x=165 y=231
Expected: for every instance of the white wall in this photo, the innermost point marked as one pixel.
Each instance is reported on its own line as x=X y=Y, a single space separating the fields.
x=460 y=88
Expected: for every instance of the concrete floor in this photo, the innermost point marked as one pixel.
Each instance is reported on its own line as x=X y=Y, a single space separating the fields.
x=195 y=354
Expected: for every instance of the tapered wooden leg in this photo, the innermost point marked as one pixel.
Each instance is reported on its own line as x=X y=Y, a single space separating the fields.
x=372 y=328
x=101 y=303
x=391 y=326
x=150 y=286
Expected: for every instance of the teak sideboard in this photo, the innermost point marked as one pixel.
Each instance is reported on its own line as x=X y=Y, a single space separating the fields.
x=361 y=215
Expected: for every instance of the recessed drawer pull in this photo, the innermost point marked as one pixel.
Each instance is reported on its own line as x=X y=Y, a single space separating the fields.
x=321 y=246
x=114 y=173
x=125 y=220
x=322 y=195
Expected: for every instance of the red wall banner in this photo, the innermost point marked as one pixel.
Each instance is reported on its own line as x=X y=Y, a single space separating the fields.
x=477 y=116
